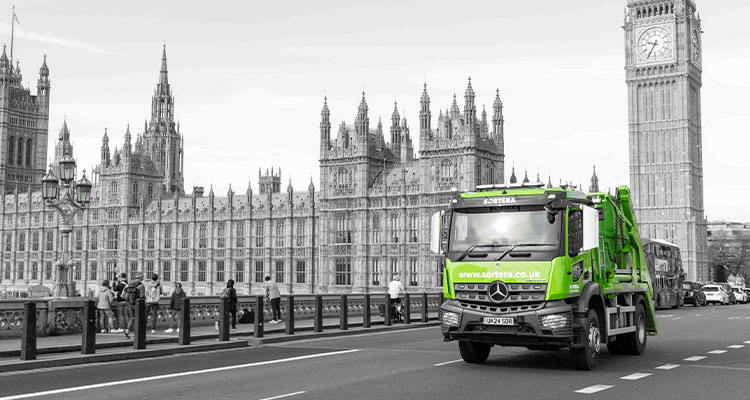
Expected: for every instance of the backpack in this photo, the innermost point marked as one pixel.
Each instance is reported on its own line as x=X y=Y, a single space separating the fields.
x=132 y=292
x=225 y=293
x=247 y=316
x=152 y=293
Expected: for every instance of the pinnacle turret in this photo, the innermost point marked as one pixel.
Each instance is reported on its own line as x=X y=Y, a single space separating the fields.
x=513 y=178
x=163 y=72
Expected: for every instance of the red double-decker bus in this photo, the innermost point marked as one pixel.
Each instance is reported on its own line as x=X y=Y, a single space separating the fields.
x=665 y=268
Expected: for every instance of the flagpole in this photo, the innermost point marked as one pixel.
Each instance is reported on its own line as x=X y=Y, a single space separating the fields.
x=12 y=31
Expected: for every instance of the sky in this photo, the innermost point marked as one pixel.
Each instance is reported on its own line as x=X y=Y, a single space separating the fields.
x=249 y=80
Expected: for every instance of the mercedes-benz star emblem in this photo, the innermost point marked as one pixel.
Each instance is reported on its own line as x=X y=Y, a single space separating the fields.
x=497 y=291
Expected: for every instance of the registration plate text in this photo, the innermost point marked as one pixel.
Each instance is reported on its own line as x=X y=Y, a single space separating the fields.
x=505 y=321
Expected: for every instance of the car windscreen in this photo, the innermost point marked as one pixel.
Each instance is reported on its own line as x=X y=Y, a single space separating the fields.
x=710 y=289
x=687 y=286
x=504 y=226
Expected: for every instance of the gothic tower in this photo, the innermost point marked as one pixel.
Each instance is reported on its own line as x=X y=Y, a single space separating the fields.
x=162 y=139
x=24 y=128
x=663 y=67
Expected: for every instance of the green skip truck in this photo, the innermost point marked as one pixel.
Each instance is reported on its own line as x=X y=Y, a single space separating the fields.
x=543 y=268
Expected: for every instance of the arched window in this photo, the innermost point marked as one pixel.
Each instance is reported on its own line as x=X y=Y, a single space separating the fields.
x=11 y=150
x=446 y=169
x=19 y=156
x=28 y=153
x=150 y=190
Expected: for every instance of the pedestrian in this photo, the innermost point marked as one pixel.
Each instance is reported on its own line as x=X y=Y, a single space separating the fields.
x=133 y=292
x=104 y=306
x=273 y=294
x=153 y=292
x=120 y=305
x=231 y=293
x=175 y=306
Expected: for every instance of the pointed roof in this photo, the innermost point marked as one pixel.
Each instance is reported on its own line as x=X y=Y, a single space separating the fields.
x=395 y=116
x=4 y=57
x=498 y=103
x=311 y=187
x=64 y=132
x=549 y=182
x=454 y=106
x=525 y=176
x=325 y=112
x=363 y=103
x=425 y=97
x=163 y=72
x=513 y=178
x=43 y=70
x=469 y=90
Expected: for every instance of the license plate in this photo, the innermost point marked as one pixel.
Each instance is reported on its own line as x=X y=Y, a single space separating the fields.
x=498 y=321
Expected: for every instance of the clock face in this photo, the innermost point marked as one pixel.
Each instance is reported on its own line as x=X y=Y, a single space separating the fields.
x=695 y=45
x=655 y=44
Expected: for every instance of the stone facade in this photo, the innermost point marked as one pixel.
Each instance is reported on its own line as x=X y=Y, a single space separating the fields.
x=24 y=123
x=369 y=220
x=663 y=67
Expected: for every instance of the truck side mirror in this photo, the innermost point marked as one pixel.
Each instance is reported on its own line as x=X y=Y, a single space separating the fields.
x=436 y=230
x=590 y=228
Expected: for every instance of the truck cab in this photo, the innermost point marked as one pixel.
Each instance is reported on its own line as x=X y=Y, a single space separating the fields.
x=542 y=268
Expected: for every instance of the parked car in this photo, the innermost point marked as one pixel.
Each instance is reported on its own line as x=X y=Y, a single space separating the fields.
x=739 y=294
x=747 y=292
x=728 y=288
x=716 y=294
x=693 y=293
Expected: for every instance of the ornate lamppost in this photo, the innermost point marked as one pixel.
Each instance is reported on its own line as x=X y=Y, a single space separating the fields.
x=74 y=198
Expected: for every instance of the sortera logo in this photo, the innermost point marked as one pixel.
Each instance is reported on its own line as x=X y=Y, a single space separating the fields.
x=500 y=200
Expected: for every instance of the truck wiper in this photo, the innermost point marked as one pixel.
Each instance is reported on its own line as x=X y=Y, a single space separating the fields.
x=474 y=246
x=511 y=248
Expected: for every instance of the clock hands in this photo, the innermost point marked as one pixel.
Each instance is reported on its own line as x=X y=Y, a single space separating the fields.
x=653 y=46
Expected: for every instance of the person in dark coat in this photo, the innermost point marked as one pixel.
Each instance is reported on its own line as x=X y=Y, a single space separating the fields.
x=232 y=294
x=175 y=306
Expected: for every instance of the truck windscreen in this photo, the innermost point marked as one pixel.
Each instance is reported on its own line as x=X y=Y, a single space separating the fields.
x=492 y=229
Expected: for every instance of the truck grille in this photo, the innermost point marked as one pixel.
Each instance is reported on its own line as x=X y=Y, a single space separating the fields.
x=521 y=297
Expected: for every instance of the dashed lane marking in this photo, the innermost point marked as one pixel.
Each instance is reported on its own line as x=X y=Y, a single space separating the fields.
x=174 y=375
x=746 y=342
x=447 y=362
x=635 y=377
x=283 y=395
x=594 y=389
x=676 y=318
x=697 y=315
x=668 y=366
x=665 y=316
x=735 y=346
x=695 y=358
x=717 y=352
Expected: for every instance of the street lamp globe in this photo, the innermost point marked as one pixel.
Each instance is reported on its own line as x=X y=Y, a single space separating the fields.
x=83 y=190
x=49 y=186
x=67 y=168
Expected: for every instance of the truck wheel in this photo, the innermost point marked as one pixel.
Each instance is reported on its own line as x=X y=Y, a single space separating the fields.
x=474 y=353
x=587 y=357
x=635 y=342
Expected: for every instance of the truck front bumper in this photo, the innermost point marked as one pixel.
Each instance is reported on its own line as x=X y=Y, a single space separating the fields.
x=529 y=328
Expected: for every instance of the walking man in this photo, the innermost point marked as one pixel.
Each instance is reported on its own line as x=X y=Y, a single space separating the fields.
x=273 y=294
x=153 y=291
x=133 y=292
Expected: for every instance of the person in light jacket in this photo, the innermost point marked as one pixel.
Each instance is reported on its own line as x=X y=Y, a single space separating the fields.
x=104 y=306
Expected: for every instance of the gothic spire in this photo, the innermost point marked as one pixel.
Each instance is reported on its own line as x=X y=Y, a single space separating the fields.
x=525 y=176
x=594 y=187
x=163 y=72
x=513 y=178
x=64 y=133
x=424 y=114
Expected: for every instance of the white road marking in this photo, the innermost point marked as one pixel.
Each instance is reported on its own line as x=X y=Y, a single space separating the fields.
x=448 y=362
x=665 y=316
x=697 y=315
x=283 y=395
x=174 y=375
x=693 y=358
x=675 y=319
x=668 y=366
x=594 y=389
x=717 y=352
x=635 y=377
x=746 y=342
x=735 y=346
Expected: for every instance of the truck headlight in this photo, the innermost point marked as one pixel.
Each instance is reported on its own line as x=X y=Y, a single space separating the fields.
x=554 y=321
x=450 y=318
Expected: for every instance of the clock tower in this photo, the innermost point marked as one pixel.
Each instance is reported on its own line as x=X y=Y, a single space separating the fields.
x=663 y=68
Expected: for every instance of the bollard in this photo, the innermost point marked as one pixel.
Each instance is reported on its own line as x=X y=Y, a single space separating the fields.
x=258 y=323
x=424 y=307
x=224 y=320
x=366 y=312
x=139 y=340
x=388 y=319
x=88 y=336
x=184 y=325
x=407 y=308
x=318 y=317
x=289 y=315
x=28 y=341
x=344 y=314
